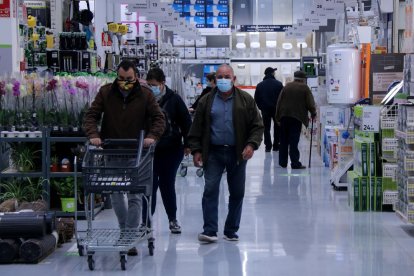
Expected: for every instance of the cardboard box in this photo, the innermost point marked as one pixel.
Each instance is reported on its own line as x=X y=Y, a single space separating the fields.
x=190 y=53
x=222 y=52
x=189 y=42
x=201 y=53
x=178 y=41
x=201 y=42
x=211 y=52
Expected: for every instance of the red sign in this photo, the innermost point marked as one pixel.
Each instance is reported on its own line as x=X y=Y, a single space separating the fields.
x=4 y=8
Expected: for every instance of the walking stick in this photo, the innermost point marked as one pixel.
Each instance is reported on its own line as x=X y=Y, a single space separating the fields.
x=310 y=146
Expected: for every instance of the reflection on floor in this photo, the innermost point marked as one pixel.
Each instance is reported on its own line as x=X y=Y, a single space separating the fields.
x=293 y=223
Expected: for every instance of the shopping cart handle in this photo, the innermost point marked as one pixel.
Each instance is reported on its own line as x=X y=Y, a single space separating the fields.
x=123 y=142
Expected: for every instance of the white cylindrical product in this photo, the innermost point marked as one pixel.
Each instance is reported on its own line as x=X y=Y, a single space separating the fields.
x=343 y=74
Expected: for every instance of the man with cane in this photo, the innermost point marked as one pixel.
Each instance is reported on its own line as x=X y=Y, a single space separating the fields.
x=294 y=103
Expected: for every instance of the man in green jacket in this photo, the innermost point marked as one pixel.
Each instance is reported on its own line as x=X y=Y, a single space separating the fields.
x=226 y=130
x=293 y=105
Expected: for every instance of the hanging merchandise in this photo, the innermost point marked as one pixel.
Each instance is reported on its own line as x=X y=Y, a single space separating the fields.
x=343 y=74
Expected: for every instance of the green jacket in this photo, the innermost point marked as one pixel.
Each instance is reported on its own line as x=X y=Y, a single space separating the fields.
x=247 y=122
x=295 y=100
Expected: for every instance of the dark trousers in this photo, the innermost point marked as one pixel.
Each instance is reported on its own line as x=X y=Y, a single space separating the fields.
x=290 y=129
x=220 y=158
x=165 y=170
x=268 y=116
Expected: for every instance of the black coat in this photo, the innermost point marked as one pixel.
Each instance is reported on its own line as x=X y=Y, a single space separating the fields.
x=267 y=92
x=175 y=109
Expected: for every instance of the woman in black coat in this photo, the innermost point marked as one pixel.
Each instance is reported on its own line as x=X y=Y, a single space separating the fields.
x=171 y=148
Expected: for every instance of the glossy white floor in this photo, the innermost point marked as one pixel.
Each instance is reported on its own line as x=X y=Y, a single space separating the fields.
x=293 y=223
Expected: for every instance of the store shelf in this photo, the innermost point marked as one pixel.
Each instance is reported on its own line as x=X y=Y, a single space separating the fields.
x=21 y=139
x=264 y=60
x=64 y=174
x=214 y=31
x=68 y=139
x=81 y=214
x=204 y=61
x=14 y=173
x=401 y=216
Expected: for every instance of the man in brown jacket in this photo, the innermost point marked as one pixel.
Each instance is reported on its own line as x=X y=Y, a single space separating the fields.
x=295 y=101
x=125 y=108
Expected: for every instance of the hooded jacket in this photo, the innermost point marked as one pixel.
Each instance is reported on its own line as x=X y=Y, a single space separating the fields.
x=267 y=92
x=124 y=117
x=247 y=122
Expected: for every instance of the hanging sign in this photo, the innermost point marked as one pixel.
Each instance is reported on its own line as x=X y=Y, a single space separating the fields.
x=264 y=28
x=4 y=8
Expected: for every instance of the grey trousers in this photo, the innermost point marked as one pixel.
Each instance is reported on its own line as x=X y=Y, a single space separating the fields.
x=127 y=207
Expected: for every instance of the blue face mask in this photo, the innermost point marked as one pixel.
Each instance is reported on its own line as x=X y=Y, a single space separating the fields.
x=224 y=85
x=156 y=90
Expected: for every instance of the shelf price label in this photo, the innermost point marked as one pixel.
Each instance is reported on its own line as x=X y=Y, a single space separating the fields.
x=370 y=119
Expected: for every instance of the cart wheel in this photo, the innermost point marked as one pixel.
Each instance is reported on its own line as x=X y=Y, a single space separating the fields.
x=183 y=171
x=199 y=172
x=123 y=262
x=80 y=250
x=91 y=263
x=151 y=248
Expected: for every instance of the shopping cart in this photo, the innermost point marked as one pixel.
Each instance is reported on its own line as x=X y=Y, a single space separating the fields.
x=121 y=166
x=188 y=162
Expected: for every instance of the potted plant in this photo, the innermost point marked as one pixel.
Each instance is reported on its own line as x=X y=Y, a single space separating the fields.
x=22 y=190
x=54 y=164
x=65 y=188
x=65 y=165
x=24 y=157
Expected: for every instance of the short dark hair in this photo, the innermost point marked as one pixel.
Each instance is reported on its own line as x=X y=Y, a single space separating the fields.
x=156 y=74
x=126 y=64
x=211 y=76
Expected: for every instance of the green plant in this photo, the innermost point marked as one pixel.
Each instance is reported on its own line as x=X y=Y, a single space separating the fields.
x=65 y=187
x=23 y=189
x=23 y=156
x=54 y=160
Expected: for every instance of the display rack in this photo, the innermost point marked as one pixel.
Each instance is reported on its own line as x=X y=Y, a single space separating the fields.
x=339 y=176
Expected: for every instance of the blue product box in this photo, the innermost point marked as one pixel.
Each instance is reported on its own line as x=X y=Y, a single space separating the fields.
x=177 y=7
x=223 y=21
x=202 y=14
x=223 y=2
x=199 y=20
x=178 y=2
x=183 y=14
x=200 y=2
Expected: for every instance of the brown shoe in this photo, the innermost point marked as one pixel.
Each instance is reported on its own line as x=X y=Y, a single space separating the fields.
x=133 y=251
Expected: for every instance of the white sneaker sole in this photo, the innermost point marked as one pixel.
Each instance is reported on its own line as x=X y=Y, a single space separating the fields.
x=230 y=239
x=204 y=238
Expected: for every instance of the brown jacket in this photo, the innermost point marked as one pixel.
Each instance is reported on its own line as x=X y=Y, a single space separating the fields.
x=123 y=118
x=295 y=101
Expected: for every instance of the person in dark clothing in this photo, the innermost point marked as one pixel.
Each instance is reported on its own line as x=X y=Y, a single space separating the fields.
x=211 y=84
x=266 y=95
x=295 y=101
x=170 y=150
x=123 y=109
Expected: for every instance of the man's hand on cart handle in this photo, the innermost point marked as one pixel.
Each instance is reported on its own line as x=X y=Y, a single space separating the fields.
x=148 y=142
x=95 y=141
x=198 y=159
x=187 y=151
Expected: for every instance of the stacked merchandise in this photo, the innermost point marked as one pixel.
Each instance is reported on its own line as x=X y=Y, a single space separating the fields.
x=409 y=74
x=405 y=172
x=389 y=153
x=204 y=13
x=365 y=182
x=27 y=237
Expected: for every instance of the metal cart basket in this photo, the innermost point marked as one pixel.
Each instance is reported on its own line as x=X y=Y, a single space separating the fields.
x=121 y=166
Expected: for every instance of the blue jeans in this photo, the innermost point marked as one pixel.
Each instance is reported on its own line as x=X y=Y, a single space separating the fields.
x=221 y=158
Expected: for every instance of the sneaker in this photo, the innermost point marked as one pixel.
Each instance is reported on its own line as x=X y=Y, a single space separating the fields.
x=207 y=237
x=133 y=251
x=174 y=227
x=231 y=237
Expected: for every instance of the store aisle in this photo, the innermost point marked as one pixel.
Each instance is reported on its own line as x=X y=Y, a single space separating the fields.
x=293 y=223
